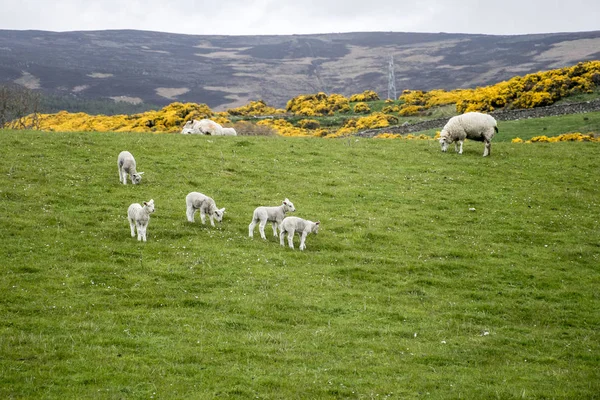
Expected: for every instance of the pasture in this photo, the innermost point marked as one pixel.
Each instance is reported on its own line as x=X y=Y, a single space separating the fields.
x=404 y=293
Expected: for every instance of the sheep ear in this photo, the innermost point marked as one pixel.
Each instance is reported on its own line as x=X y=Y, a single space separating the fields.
x=145 y=203
x=140 y=173
x=317 y=223
x=222 y=210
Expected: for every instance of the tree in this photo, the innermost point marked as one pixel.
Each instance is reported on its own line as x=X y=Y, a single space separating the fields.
x=16 y=103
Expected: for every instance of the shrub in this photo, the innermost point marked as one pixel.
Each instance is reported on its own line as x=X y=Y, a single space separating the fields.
x=367 y=95
x=361 y=108
x=309 y=124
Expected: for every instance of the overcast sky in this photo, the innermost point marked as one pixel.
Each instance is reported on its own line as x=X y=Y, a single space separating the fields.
x=282 y=17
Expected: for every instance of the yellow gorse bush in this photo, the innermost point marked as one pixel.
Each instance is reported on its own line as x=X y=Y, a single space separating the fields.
x=400 y=136
x=168 y=119
x=367 y=95
x=318 y=104
x=565 y=137
x=253 y=108
x=532 y=90
x=361 y=108
x=285 y=128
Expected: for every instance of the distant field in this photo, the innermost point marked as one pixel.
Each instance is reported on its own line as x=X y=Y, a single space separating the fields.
x=405 y=293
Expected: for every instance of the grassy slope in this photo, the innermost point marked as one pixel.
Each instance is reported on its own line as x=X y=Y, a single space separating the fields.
x=393 y=298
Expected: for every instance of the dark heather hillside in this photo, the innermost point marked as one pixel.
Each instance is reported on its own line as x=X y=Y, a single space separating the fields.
x=228 y=71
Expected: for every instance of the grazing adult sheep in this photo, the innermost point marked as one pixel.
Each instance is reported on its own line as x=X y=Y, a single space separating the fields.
x=202 y=127
x=472 y=125
x=126 y=164
x=197 y=201
x=302 y=227
x=139 y=217
x=269 y=214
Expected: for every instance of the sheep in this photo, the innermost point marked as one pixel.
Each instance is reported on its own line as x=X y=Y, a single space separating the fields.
x=126 y=165
x=139 y=217
x=228 y=132
x=302 y=227
x=273 y=214
x=202 y=127
x=472 y=125
x=197 y=201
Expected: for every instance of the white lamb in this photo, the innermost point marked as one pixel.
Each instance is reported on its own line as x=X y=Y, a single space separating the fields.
x=302 y=227
x=472 y=125
x=202 y=127
x=197 y=201
x=126 y=164
x=269 y=214
x=139 y=217
x=228 y=132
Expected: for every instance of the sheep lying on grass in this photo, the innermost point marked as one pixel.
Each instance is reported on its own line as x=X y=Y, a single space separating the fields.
x=269 y=214
x=228 y=132
x=197 y=201
x=126 y=164
x=139 y=217
x=302 y=227
x=202 y=127
x=472 y=125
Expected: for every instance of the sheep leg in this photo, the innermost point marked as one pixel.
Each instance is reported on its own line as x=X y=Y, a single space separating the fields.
x=203 y=217
x=139 y=230
x=132 y=226
x=302 y=239
x=120 y=174
x=281 y=236
x=291 y=239
x=275 y=228
x=488 y=148
x=261 y=229
x=251 y=228
x=144 y=232
x=461 y=144
x=190 y=214
x=124 y=175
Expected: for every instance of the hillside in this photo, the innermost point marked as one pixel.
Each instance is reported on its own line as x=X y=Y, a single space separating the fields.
x=229 y=71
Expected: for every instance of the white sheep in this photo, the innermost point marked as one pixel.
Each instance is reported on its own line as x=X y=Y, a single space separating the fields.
x=472 y=125
x=269 y=214
x=302 y=227
x=126 y=164
x=228 y=132
x=197 y=201
x=202 y=127
x=139 y=217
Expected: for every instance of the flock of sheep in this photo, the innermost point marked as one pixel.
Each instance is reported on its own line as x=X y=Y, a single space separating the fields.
x=473 y=125
x=138 y=215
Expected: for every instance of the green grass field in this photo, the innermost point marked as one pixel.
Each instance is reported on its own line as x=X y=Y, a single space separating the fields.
x=404 y=293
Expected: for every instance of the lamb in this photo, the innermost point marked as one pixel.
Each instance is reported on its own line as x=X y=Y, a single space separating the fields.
x=269 y=214
x=228 y=132
x=202 y=127
x=139 y=217
x=197 y=201
x=126 y=165
x=302 y=227
x=471 y=125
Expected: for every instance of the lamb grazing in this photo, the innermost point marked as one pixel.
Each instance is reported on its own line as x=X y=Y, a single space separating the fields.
x=202 y=127
x=139 y=217
x=471 y=125
x=126 y=164
x=197 y=201
x=269 y=214
x=302 y=227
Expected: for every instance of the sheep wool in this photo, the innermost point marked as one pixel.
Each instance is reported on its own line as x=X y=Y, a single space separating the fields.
x=472 y=125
